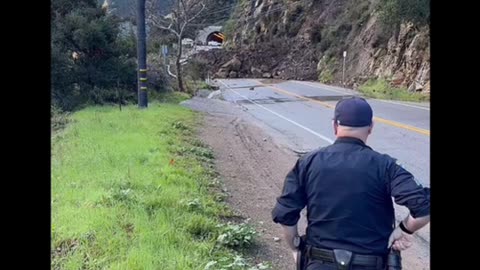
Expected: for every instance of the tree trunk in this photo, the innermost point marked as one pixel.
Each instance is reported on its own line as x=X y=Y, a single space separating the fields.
x=179 y=66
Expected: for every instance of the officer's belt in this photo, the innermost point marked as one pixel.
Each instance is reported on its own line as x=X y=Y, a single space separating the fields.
x=328 y=256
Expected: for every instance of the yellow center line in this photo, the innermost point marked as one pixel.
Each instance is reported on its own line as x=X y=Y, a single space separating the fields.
x=378 y=119
x=325 y=86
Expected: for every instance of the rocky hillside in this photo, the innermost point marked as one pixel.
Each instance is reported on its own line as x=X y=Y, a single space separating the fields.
x=305 y=40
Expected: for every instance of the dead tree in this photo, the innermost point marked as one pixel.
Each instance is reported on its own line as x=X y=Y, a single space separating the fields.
x=183 y=14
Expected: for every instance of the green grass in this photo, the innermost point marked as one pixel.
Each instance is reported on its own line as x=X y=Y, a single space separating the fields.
x=170 y=97
x=192 y=86
x=326 y=76
x=133 y=189
x=58 y=118
x=381 y=89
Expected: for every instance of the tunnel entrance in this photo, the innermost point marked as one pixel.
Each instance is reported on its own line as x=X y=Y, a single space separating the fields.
x=215 y=38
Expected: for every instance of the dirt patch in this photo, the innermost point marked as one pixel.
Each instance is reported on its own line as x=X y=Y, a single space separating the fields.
x=65 y=247
x=252 y=168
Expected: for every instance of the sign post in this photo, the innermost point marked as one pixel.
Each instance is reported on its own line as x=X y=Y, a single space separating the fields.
x=343 y=73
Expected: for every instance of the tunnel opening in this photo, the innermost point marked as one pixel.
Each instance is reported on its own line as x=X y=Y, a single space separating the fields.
x=215 y=38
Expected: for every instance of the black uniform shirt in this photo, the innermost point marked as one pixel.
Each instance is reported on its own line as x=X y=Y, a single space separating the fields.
x=347 y=188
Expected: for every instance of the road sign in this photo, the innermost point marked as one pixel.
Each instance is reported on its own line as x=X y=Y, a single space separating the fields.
x=164 y=50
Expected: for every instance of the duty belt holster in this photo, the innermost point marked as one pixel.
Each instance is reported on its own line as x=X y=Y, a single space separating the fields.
x=394 y=260
x=302 y=254
x=301 y=260
x=343 y=258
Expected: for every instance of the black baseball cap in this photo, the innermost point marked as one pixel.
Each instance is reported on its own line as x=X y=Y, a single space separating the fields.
x=353 y=112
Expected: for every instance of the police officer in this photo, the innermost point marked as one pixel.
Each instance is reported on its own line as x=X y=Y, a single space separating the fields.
x=347 y=188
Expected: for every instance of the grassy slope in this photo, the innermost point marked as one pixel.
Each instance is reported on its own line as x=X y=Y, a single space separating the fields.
x=131 y=190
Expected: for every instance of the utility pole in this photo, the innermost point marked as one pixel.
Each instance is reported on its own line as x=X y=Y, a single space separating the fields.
x=343 y=73
x=141 y=55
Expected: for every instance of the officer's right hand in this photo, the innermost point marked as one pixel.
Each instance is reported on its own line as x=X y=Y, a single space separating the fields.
x=399 y=240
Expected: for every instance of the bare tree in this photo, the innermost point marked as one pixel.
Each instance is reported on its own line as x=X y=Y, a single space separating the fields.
x=184 y=12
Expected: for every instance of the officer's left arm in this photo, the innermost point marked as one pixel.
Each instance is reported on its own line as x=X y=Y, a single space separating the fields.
x=407 y=192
